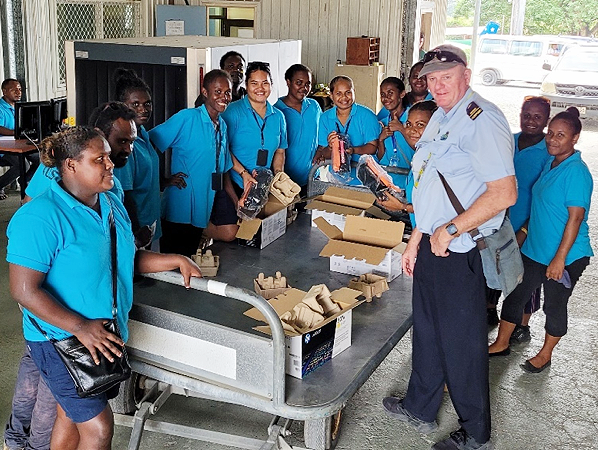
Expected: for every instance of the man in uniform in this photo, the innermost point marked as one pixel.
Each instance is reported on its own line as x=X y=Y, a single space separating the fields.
x=469 y=142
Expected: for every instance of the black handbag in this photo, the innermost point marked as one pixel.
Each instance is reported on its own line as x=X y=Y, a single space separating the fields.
x=92 y=379
x=501 y=258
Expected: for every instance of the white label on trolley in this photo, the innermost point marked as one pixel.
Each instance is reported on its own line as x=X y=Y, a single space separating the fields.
x=217 y=287
x=183 y=349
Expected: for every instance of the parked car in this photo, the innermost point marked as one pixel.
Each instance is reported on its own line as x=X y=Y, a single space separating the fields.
x=503 y=58
x=573 y=80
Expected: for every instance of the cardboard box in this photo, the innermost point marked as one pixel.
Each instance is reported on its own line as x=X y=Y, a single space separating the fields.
x=365 y=245
x=269 y=225
x=337 y=203
x=307 y=351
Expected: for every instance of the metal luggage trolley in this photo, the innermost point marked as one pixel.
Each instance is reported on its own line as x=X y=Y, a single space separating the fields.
x=198 y=343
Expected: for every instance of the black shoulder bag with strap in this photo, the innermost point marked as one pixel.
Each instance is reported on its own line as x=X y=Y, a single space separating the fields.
x=501 y=258
x=91 y=379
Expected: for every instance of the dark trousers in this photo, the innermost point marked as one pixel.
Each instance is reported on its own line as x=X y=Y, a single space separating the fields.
x=450 y=339
x=180 y=238
x=556 y=296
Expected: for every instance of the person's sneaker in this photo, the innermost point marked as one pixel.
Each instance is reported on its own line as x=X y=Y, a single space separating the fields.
x=394 y=408
x=520 y=335
x=461 y=440
x=492 y=317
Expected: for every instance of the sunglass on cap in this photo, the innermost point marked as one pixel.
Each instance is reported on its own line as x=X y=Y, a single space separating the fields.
x=442 y=56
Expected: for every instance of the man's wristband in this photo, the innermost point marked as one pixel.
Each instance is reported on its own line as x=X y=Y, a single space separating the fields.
x=524 y=230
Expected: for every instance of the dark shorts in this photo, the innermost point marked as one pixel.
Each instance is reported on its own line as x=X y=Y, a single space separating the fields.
x=224 y=211
x=60 y=383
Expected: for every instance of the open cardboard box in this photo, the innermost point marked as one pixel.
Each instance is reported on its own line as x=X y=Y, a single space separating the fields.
x=308 y=351
x=365 y=245
x=337 y=203
x=269 y=225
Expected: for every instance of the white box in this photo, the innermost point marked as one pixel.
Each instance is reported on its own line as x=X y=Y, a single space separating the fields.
x=390 y=267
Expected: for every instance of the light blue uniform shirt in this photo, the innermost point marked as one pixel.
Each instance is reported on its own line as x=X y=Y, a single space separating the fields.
x=57 y=235
x=141 y=176
x=469 y=153
x=302 y=136
x=244 y=135
x=568 y=184
x=7 y=115
x=403 y=151
x=43 y=177
x=192 y=136
x=529 y=163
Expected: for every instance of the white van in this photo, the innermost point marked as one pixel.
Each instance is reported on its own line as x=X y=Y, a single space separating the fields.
x=503 y=58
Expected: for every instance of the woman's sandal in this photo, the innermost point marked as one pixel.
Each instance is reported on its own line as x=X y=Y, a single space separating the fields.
x=530 y=368
x=3 y=195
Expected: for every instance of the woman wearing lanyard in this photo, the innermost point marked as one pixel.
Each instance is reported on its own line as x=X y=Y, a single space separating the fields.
x=59 y=254
x=257 y=131
x=198 y=139
x=557 y=248
x=349 y=119
x=302 y=115
x=393 y=149
x=417 y=121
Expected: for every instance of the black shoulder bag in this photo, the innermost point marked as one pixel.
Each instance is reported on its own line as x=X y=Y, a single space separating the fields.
x=91 y=379
x=501 y=258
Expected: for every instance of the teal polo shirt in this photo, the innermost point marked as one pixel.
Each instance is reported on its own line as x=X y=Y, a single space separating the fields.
x=529 y=163
x=568 y=184
x=397 y=145
x=7 y=115
x=141 y=176
x=245 y=136
x=59 y=236
x=361 y=127
x=43 y=177
x=384 y=114
x=193 y=138
x=302 y=136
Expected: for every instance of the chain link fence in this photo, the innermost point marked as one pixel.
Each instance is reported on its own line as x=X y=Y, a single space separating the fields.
x=95 y=19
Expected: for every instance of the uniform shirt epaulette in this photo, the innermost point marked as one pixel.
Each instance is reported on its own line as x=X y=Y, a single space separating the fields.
x=473 y=110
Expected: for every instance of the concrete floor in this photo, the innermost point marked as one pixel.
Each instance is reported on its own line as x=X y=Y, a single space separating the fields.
x=554 y=410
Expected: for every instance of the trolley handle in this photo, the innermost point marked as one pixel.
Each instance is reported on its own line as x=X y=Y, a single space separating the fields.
x=243 y=295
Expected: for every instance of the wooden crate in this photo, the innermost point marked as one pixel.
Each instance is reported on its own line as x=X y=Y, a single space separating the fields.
x=363 y=51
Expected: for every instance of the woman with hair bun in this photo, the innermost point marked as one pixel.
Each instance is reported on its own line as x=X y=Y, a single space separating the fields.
x=557 y=248
x=60 y=272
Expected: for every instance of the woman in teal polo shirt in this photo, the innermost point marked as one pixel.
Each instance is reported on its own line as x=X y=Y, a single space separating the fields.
x=302 y=115
x=257 y=132
x=393 y=149
x=59 y=256
x=199 y=141
x=557 y=248
x=140 y=177
x=530 y=158
x=349 y=119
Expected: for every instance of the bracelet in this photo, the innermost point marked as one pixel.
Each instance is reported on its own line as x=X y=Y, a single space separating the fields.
x=242 y=172
x=524 y=230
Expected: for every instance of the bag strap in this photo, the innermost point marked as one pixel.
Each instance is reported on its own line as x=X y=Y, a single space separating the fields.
x=114 y=273
x=480 y=243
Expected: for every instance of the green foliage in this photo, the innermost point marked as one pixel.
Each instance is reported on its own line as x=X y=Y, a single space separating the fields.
x=568 y=17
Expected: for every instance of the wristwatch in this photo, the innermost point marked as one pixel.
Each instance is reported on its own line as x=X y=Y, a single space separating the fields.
x=451 y=229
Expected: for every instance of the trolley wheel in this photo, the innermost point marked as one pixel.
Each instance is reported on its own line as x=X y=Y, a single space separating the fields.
x=322 y=434
x=489 y=77
x=129 y=394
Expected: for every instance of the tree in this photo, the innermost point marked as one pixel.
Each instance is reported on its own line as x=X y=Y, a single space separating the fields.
x=568 y=17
